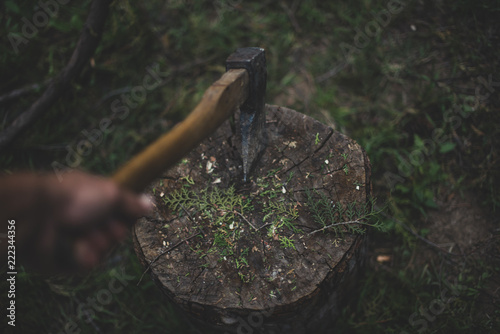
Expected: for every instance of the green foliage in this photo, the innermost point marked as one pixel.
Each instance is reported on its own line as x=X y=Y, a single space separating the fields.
x=339 y=218
x=220 y=207
x=317 y=140
x=279 y=208
x=181 y=198
x=286 y=242
x=224 y=210
x=345 y=169
x=279 y=215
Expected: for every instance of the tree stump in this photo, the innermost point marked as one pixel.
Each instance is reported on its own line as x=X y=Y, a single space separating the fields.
x=256 y=257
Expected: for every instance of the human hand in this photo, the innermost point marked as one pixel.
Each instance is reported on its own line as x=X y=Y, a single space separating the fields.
x=68 y=225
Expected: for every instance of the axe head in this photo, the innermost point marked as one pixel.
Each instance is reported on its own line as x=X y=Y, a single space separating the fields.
x=252 y=112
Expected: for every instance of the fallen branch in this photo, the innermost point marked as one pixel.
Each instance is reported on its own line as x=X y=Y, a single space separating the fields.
x=16 y=93
x=85 y=48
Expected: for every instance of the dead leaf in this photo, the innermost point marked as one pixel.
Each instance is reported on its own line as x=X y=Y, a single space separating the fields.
x=384 y=258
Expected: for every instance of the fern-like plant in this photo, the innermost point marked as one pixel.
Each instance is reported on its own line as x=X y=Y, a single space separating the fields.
x=339 y=218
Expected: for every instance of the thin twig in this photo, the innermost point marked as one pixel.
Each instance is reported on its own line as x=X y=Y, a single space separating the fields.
x=265 y=225
x=22 y=91
x=291 y=15
x=333 y=72
x=85 y=48
x=239 y=214
x=335 y=224
x=188 y=214
x=164 y=252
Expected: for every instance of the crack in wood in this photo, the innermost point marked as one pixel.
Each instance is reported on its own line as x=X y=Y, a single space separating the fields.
x=328 y=136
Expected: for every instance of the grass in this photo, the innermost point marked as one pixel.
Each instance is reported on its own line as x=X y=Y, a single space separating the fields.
x=408 y=97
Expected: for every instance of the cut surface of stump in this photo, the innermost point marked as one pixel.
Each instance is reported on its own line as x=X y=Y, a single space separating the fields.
x=260 y=254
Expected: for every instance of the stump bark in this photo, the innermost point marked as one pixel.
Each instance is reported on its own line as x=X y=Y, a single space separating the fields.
x=260 y=268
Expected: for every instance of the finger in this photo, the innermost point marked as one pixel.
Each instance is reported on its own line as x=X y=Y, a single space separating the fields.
x=93 y=202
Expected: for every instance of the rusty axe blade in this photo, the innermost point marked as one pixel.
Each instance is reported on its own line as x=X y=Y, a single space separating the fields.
x=242 y=85
x=252 y=112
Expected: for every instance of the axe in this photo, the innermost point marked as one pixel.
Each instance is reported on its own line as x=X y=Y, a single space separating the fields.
x=244 y=86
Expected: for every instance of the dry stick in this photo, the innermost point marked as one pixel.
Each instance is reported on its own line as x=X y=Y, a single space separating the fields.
x=22 y=91
x=291 y=15
x=265 y=225
x=164 y=252
x=89 y=39
x=335 y=224
x=188 y=214
x=333 y=72
x=239 y=214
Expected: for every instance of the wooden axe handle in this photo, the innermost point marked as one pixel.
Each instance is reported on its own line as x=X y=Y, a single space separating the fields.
x=217 y=104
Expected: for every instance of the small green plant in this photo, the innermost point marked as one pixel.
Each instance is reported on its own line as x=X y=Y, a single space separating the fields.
x=273 y=172
x=181 y=198
x=345 y=169
x=280 y=214
x=245 y=278
x=267 y=190
x=241 y=262
x=340 y=218
x=224 y=209
x=317 y=140
x=188 y=179
x=287 y=243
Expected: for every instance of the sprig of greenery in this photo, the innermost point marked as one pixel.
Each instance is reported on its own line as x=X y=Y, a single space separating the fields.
x=222 y=207
x=316 y=139
x=339 y=218
x=181 y=198
x=281 y=215
x=287 y=242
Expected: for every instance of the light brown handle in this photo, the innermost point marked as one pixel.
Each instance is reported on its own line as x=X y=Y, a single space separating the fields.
x=217 y=104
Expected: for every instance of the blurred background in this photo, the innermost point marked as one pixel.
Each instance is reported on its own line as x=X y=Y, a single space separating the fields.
x=414 y=82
